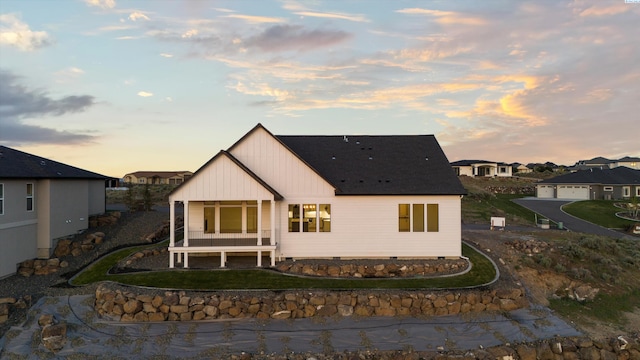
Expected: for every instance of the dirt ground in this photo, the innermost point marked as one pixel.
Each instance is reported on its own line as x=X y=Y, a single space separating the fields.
x=541 y=284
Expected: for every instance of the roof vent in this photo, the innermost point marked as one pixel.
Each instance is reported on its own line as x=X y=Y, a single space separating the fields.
x=333 y=157
x=43 y=163
x=357 y=142
x=345 y=138
x=370 y=157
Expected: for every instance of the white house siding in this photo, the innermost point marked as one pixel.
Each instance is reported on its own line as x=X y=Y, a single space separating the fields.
x=465 y=170
x=279 y=167
x=18 y=227
x=367 y=227
x=221 y=180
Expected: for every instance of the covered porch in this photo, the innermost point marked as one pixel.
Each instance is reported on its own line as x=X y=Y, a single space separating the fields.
x=225 y=227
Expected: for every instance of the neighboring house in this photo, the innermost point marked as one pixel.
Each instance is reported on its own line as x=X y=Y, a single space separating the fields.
x=157 y=177
x=321 y=197
x=522 y=169
x=628 y=161
x=481 y=168
x=604 y=163
x=593 y=184
x=42 y=201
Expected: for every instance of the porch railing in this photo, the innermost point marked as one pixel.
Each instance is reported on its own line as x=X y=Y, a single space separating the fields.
x=266 y=234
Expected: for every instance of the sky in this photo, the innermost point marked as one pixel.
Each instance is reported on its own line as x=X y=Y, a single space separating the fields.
x=115 y=86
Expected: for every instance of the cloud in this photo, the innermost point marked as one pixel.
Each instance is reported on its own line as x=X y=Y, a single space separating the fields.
x=18 y=103
x=255 y=19
x=14 y=32
x=356 y=18
x=294 y=38
x=68 y=74
x=136 y=15
x=145 y=94
x=104 y=4
x=445 y=17
x=166 y=55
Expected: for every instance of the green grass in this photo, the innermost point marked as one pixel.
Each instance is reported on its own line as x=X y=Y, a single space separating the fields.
x=479 y=208
x=605 y=307
x=601 y=212
x=481 y=273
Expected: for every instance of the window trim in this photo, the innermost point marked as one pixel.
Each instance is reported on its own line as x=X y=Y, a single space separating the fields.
x=607 y=188
x=299 y=219
x=626 y=191
x=30 y=196
x=1 y=199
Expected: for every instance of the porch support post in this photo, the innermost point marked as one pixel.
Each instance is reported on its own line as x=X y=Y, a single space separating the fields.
x=186 y=260
x=259 y=223
x=259 y=258
x=273 y=257
x=172 y=231
x=172 y=224
x=272 y=216
x=223 y=259
x=186 y=223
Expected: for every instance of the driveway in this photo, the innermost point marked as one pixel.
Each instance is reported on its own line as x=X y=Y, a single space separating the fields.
x=552 y=210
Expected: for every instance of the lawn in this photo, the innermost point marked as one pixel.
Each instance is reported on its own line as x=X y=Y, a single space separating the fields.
x=482 y=272
x=479 y=208
x=601 y=212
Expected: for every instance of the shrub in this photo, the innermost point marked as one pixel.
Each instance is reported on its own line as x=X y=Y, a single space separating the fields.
x=580 y=273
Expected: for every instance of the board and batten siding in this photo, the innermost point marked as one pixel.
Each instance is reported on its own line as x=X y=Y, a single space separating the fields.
x=279 y=167
x=367 y=227
x=221 y=180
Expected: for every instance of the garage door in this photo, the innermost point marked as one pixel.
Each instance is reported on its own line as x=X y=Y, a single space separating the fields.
x=573 y=192
x=545 y=191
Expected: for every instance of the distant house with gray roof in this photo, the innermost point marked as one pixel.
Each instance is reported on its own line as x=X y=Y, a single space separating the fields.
x=592 y=184
x=41 y=201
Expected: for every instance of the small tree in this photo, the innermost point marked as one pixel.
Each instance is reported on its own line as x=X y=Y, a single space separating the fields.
x=146 y=197
x=130 y=199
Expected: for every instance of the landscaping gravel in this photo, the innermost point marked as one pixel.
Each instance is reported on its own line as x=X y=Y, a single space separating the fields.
x=130 y=229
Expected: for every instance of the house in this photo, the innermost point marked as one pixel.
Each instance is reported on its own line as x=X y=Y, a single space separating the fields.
x=297 y=197
x=628 y=161
x=604 y=163
x=481 y=168
x=617 y=183
x=522 y=169
x=157 y=177
x=41 y=201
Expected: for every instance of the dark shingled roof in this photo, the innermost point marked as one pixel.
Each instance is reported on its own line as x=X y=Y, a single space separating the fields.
x=378 y=165
x=20 y=165
x=621 y=175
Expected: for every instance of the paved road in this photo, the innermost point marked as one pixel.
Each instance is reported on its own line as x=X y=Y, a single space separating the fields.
x=552 y=209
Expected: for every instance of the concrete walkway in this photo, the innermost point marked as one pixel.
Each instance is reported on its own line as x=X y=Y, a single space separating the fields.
x=552 y=209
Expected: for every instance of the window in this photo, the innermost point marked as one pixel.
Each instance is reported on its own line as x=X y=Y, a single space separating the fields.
x=416 y=213
x=29 y=197
x=314 y=218
x=209 y=220
x=432 y=218
x=626 y=191
x=230 y=217
x=294 y=218
x=1 y=199
x=608 y=188
x=418 y=217
x=403 y=218
x=637 y=195
x=325 y=217
x=309 y=217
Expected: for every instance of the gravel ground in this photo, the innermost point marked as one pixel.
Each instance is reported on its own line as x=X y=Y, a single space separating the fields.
x=129 y=230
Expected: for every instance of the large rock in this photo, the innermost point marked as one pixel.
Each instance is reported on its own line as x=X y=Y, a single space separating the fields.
x=54 y=337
